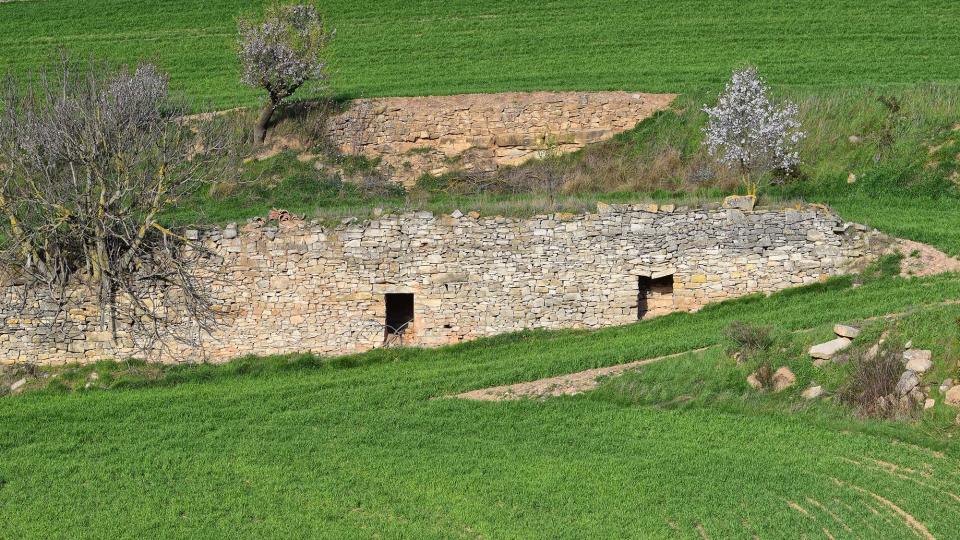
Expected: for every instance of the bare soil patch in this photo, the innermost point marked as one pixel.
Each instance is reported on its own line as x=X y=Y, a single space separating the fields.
x=924 y=260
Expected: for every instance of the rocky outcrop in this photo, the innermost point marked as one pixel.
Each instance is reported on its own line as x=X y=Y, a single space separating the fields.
x=481 y=132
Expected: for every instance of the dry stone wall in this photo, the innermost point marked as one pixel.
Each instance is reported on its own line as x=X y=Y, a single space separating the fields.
x=481 y=132
x=300 y=287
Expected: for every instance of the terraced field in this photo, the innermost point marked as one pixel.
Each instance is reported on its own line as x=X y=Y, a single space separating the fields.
x=395 y=47
x=369 y=446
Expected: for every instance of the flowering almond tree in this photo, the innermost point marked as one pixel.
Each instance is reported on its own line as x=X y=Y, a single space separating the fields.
x=282 y=53
x=749 y=132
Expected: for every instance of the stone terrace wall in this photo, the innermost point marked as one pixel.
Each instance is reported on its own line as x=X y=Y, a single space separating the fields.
x=307 y=288
x=483 y=131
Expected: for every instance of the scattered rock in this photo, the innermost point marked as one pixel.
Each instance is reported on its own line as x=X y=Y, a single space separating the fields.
x=830 y=348
x=754 y=382
x=813 y=392
x=843 y=330
x=908 y=345
x=457 y=214
x=740 y=202
x=953 y=396
x=929 y=403
x=947 y=384
x=230 y=231
x=782 y=379
x=820 y=362
x=854 y=139
x=918 y=360
x=16 y=387
x=851 y=178
x=908 y=381
x=872 y=352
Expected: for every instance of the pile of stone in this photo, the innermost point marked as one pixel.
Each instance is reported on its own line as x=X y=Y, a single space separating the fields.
x=824 y=353
x=909 y=390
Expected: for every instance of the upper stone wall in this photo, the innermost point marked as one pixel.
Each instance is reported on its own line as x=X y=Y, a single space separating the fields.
x=480 y=132
x=300 y=287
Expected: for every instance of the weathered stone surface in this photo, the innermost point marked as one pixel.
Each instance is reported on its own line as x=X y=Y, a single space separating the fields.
x=918 y=360
x=481 y=132
x=754 y=381
x=827 y=350
x=17 y=386
x=812 y=393
x=843 y=330
x=953 y=396
x=740 y=202
x=304 y=287
x=946 y=385
x=908 y=381
x=782 y=379
x=929 y=403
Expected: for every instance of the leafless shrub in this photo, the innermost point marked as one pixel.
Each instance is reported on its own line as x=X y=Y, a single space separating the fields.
x=91 y=157
x=750 y=338
x=281 y=53
x=872 y=382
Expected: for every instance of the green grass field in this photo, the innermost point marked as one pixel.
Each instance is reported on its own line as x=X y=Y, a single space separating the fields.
x=359 y=447
x=366 y=446
x=394 y=47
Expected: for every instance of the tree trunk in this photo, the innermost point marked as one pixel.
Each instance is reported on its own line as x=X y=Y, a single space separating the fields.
x=260 y=131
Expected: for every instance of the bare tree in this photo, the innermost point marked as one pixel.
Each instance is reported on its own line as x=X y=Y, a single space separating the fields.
x=748 y=131
x=281 y=53
x=90 y=157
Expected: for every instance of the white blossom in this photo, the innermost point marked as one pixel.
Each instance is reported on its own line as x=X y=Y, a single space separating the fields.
x=746 y=130
x=284 y=51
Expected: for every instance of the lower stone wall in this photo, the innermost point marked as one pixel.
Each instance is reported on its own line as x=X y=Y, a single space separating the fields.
x=300 y=287
x=480 y=132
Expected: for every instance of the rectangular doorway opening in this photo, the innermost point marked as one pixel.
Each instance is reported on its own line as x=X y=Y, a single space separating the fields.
x=399 y=317
x=654 y=296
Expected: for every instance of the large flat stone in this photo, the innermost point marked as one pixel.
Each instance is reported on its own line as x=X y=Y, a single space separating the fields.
x=843 y=330
x=827 y=350
x=918 y=360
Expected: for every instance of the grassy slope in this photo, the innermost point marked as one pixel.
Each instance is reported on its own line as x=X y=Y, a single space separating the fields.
x=351 y=451
x=395 y=47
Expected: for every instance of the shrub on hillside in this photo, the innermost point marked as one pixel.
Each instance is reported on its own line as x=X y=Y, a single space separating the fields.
x=750 y=338
x=872 y=382
x=749 y=132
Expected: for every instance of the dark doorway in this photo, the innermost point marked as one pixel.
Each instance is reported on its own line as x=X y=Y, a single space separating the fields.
x=399 y=317
x=654 y=296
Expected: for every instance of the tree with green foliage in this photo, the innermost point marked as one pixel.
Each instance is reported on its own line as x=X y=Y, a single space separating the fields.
x=281 y=53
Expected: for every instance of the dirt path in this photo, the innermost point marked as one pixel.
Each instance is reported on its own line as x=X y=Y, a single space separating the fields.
x=561 y=385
